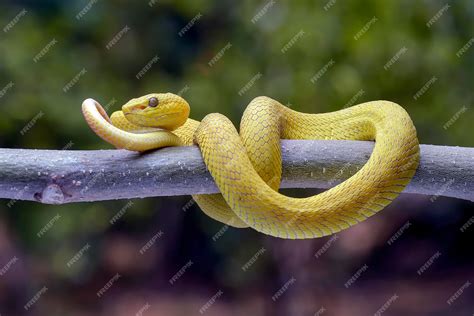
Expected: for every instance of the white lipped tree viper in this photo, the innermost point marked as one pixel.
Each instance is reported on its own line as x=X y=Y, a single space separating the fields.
x=247 y=168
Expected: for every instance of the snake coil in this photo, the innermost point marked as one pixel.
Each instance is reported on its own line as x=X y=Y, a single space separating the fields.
x=247 y=166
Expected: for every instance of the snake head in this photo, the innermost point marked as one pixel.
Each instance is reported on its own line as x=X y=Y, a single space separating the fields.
x=164 y=110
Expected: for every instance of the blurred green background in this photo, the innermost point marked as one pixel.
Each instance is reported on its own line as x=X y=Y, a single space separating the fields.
x=47 y=47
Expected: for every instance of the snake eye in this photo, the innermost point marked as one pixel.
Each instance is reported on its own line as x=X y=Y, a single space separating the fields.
x=153 y=102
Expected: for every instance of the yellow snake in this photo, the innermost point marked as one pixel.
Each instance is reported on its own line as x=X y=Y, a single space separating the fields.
x=247 y=167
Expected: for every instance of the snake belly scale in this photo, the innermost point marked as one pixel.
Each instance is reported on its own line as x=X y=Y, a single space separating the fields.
x=246 y=166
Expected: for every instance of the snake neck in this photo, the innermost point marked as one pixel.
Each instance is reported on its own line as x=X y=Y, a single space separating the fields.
x=186 y=131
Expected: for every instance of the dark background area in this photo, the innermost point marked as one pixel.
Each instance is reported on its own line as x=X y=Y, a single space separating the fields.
x=45 y=45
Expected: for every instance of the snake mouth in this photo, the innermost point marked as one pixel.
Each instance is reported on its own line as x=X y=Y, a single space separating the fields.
x=155 y=118
x=168 y=121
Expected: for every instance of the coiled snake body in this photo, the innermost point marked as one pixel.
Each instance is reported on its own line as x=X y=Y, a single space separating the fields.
x=247 y=167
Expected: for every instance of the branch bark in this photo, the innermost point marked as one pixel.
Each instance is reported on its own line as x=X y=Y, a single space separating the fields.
x=56 y=177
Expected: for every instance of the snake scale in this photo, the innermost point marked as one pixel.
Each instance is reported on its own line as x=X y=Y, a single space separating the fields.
x=247 y=168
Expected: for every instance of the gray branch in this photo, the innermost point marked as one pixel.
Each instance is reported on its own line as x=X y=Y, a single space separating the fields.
x=65 y=176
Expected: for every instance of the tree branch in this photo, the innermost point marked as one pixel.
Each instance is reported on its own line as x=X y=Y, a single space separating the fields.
x=56 y=177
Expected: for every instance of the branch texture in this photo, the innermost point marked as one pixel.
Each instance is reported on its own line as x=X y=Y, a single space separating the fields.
x=56 y=177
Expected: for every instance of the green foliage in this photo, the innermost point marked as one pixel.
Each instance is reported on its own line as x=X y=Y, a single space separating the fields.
x=256 y=48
